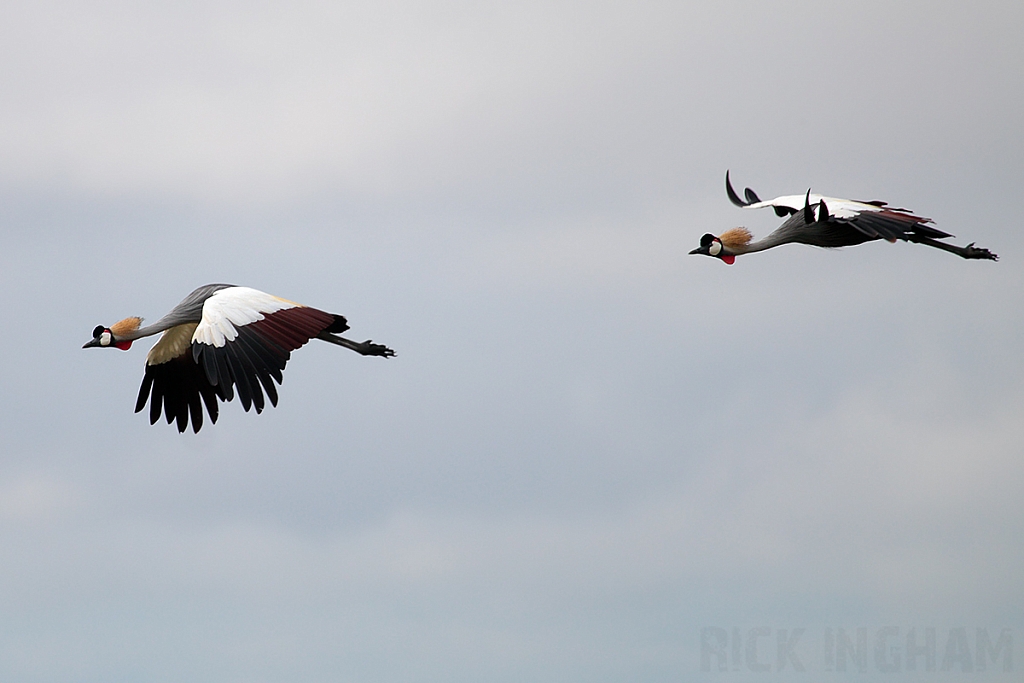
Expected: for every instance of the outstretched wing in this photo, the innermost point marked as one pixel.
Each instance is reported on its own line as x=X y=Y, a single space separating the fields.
x=242 y=342
x=874 y=219
x=174 y=384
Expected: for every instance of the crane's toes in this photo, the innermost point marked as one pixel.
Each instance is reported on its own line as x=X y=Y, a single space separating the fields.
x=970 y=251
x=368 y=348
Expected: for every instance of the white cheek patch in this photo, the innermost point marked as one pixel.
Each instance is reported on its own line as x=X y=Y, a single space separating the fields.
x=105 y=339
x=715 y=248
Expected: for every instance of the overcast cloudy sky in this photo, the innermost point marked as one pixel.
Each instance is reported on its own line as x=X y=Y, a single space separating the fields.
x=595 y=458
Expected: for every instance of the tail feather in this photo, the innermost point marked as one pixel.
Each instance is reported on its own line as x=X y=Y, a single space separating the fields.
x=339 y=325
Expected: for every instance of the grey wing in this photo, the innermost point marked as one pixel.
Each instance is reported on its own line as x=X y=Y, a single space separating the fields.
x=190 y=310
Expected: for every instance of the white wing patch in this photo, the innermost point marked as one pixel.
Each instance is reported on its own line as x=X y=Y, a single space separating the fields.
x=172 y=344
x=234 y=307
x=840 y=208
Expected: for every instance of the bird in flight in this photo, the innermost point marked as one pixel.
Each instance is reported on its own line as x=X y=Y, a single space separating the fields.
x=219 y=339
x=829 y=222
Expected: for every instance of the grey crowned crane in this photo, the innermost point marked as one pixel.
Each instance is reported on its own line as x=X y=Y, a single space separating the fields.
x=220 y=339
x=829 y=222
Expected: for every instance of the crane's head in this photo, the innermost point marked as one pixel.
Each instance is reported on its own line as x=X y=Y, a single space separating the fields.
x=712 y=246
x=113 y=335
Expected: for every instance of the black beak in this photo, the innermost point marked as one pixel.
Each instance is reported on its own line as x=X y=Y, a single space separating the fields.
x=700 y=250
x=91 y=343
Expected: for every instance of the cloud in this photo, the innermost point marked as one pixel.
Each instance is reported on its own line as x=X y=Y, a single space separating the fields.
x=260 y=104
x=590 y=445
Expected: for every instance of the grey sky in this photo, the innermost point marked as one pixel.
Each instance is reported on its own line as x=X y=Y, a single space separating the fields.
x=591 y=446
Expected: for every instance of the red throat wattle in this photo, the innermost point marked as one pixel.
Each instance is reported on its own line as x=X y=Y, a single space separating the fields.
x=728 y=258
x=123 y=345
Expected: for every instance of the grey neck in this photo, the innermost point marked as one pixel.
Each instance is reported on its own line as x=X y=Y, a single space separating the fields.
x=772 y=240
x=190 y=310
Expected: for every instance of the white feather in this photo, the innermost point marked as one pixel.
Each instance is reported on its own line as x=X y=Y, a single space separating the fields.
x=840 y=208
x=234 y=307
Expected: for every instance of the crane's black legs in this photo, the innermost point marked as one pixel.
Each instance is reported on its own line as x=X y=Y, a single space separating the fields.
x=366 y=348
x=970 y=251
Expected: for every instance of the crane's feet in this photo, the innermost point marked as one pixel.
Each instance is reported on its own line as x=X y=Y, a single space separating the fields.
x=971 y=251
x=368 y=348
